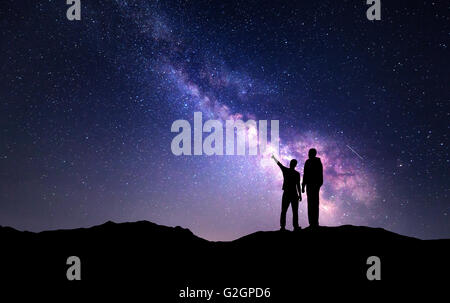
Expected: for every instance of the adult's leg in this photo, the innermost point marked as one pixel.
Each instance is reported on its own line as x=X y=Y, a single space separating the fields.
x=284 y=207
x=316 y=199
x=310 y=207
x=312 y=193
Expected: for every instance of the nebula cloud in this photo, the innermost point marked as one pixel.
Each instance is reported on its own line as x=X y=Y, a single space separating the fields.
x=346 y=181
x=202 y=87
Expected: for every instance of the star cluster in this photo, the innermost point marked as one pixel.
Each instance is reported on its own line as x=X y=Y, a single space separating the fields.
x=87 y=106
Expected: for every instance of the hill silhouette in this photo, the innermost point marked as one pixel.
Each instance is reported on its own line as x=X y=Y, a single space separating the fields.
x=167 y=259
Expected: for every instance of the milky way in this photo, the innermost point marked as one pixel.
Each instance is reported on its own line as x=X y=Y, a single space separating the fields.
x=347 y=180
x=87 y=108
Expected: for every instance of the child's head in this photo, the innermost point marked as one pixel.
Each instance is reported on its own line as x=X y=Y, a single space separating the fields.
x=293 y=163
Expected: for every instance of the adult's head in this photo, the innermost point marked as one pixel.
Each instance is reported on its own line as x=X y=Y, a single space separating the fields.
x=312 y=153
x=293 y=163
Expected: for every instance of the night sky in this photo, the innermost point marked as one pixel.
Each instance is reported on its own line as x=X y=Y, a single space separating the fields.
x=87 y=107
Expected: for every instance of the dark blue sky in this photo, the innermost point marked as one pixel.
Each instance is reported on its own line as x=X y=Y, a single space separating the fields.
x=86 y=109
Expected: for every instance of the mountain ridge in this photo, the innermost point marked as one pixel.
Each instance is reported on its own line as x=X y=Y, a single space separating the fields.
x=170 y=258
x=110 y=224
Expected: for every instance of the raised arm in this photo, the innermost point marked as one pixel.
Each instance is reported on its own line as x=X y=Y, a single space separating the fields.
x=278 y=162
x=274 y=159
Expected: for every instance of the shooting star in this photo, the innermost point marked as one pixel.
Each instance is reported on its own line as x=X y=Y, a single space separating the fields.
x=354 y=151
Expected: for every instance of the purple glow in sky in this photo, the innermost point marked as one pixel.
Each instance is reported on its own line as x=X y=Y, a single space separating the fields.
x=87 y=109
x=346 y=179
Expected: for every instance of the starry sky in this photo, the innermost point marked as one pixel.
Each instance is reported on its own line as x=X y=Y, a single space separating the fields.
x=87 y=106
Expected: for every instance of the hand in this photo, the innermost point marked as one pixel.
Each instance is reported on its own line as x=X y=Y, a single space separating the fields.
x=273 y=157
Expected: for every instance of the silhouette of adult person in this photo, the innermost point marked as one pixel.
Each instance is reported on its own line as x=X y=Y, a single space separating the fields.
x=291 y=193
x=313 y=180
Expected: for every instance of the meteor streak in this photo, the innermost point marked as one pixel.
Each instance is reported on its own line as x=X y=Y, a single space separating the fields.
x=354 y=151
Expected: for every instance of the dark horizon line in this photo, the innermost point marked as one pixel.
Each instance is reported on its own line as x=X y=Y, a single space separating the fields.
x=218 y=241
